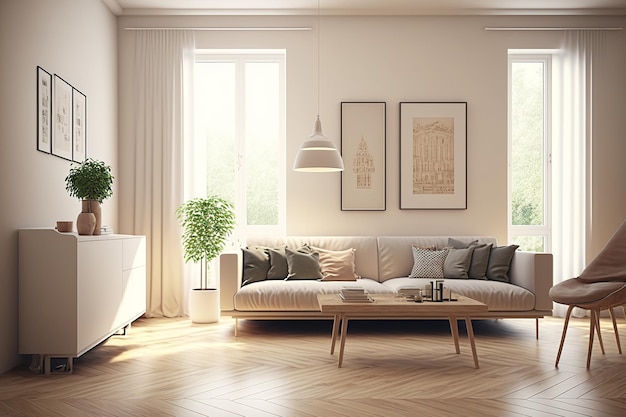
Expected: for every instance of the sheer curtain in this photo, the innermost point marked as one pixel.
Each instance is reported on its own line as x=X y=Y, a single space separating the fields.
x=571 y=152
x=162 y=80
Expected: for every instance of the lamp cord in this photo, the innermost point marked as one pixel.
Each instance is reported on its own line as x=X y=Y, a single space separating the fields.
x=318 y=58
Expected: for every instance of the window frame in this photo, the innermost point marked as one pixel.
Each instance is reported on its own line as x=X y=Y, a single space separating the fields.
x=544 y=230
x=241 y=57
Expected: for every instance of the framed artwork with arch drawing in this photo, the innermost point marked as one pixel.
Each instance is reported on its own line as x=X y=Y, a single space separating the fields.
x=363 y=149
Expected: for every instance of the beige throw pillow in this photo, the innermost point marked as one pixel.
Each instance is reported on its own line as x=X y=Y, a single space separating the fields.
x=337 y=265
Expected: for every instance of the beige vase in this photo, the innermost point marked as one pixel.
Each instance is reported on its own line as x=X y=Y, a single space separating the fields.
x=85 y=224
x=93 y=206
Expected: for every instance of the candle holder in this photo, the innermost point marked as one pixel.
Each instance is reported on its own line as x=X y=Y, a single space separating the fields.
x=437 y=290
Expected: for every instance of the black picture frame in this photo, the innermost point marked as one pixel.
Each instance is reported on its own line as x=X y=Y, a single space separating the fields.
x=433 y=155
x=62 y=118
x=44 y=110
x=363 y=149
x=79 y=126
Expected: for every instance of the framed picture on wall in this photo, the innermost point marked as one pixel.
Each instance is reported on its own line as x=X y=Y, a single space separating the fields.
x=62 y=118
x=79 y=126
x=433 y=155
x=363 y=142
x=44 y=110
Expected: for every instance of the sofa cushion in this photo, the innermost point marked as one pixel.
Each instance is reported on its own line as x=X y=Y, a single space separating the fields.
x=302 y=265
x=256 y=263
x=499 y=296
x=337 y=265
x=500 y=262
x=457 y=263
x=298 y=295
x=428 y=263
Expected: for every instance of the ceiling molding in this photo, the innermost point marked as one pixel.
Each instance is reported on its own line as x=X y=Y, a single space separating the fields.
x=370 y=12
x=114 y=7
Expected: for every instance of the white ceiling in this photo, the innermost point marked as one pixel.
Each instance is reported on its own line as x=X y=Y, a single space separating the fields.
x=367 y=7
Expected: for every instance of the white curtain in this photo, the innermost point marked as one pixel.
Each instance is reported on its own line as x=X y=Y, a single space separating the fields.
x=162 y=80
x=571 y=153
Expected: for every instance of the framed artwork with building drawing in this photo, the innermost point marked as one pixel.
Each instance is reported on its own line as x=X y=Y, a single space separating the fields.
x=44 y=110
x=433 y=155
x=363 y=142
x=62 y=118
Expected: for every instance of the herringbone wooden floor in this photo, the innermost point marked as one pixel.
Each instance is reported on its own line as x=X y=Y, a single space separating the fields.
x=171 y=367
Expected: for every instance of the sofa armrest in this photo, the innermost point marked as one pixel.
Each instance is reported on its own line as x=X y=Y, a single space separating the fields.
x=230 y=278
x=533 y=271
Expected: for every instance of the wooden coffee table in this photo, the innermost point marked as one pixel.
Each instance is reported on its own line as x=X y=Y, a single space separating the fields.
x=393 y=306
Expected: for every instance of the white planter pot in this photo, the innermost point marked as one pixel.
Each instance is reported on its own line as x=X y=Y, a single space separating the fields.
x=204 y=305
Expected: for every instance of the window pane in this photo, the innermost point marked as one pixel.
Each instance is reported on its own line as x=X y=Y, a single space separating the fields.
x=215 y=126
x=527 y=152
x=262 y=142
x=529 y=243
x=238 y=152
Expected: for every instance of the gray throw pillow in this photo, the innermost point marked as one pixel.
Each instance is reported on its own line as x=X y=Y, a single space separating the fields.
x=278 y=261
x=278 y=264
x=480 y=261
x=256 y=263
x=302 y=265
x=500 y=262
x=457 y=244
x=457 y=263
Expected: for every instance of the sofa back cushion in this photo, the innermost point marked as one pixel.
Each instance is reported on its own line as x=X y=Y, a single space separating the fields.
x=365 y=256
x=395 y=253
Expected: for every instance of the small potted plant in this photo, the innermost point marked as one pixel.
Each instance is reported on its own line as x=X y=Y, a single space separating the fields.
x=207 y=222
x=91 y=182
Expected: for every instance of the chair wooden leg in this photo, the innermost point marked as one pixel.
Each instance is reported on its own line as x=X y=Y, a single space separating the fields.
x=619 y=346
x=598 y=331
x=558 y=356
x=592 y=324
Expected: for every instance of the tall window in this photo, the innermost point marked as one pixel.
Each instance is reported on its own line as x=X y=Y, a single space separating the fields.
x=529 y=151
x=239 y=135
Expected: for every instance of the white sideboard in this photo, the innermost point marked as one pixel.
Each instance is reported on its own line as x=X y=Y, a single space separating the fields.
x=76 y=291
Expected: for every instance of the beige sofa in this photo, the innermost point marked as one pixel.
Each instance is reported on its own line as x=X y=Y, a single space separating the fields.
x=384 y=264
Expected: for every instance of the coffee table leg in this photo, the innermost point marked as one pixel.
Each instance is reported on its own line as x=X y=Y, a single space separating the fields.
x=454 y=328
x=344 y=332
x=470 y=336
x=336 y=322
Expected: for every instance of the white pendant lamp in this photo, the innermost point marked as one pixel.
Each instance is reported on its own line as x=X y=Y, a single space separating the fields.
x=317 y=153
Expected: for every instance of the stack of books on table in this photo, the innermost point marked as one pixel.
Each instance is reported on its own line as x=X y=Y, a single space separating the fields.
x=354 y=295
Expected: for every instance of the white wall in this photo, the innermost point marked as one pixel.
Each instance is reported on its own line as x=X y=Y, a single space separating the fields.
x=77 y=41
x=388 y=59
x=396 y=59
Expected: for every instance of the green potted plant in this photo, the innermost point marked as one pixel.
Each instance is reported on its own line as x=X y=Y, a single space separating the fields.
x=207 y=222
x=91 y=182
